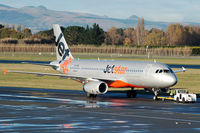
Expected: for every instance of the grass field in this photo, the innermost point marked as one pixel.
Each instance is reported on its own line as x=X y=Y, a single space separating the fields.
x=51 y=56
x=26 y=80
x=189 y=79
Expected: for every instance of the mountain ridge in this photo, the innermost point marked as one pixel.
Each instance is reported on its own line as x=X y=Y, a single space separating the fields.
x=40 y=18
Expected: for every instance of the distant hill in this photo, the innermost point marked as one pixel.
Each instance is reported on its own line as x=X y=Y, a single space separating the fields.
x=40 y=18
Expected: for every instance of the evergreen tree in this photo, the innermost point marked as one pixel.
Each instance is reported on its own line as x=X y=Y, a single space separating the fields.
x=97 y=35
x=87 y=36
x=74 y=34
x=1 y=26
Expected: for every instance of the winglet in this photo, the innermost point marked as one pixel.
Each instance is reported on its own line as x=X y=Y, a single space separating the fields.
x=4 y=71
x=184 y=69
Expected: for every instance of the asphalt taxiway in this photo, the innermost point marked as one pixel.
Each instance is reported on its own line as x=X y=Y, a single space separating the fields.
x=44 y=110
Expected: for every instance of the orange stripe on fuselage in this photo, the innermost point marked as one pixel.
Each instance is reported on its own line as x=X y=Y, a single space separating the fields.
x=121 y=84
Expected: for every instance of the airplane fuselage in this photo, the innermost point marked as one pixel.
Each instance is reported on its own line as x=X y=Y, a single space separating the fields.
x=140 y=74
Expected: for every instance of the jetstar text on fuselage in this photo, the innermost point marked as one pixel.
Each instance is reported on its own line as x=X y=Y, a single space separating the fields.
x=115 y=69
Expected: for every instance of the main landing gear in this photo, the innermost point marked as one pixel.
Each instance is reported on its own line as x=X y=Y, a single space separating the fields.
x=131 y=93
x=91 y=95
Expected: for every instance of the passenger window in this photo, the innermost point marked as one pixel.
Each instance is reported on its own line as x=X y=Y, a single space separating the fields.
x=160 y=71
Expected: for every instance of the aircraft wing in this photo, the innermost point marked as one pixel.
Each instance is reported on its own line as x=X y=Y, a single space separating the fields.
x=41 y=64
x=76 y=78
x=54 y=66
x=183 y=70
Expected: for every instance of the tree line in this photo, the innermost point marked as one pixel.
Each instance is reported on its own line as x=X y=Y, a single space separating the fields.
x=174 y=35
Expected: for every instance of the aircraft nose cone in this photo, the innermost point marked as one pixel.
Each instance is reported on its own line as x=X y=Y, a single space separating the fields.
x=167 y=80
x=171 y=80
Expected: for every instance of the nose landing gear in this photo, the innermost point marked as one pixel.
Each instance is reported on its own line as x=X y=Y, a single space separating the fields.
x=131 y=93
x=155 y=91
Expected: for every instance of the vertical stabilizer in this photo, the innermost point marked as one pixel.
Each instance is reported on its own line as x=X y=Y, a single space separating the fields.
x=62 y=49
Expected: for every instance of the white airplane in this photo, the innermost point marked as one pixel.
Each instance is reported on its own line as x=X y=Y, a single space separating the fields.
x=97 y=75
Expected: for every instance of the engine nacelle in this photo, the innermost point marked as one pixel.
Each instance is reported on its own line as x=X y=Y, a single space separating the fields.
x=95 y=87
x=165 y=90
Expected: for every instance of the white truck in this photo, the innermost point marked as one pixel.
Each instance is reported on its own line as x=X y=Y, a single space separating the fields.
x=181 y=95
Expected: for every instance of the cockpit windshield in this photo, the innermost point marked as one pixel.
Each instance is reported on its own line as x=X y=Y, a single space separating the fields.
x=166 y=71
x=162 y=71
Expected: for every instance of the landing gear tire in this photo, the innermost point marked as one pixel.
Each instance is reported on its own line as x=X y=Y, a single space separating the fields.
x=177 y=100
x=91 y=95
x=134 y=94
x=128 y=94
x=131 y=93
x=155 y=98
x=183 y=100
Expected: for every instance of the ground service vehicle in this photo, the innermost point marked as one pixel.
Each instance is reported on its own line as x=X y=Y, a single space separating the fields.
x=181 y=95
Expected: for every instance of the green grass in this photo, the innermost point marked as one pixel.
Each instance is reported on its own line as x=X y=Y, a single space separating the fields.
x=190 y=80
x=28 y=80
x=28 y=56
x=52 y=56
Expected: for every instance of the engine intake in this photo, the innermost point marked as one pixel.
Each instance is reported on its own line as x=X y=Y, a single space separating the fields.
x=95 y=87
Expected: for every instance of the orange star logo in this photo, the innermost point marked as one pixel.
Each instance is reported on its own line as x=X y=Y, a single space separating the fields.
x=64 y=66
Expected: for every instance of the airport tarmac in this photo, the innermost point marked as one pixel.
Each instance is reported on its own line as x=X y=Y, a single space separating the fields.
x=44 y=110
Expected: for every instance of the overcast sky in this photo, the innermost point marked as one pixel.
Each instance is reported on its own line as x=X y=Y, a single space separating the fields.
x=156 y=10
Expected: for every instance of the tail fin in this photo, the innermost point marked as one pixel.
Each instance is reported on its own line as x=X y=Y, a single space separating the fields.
x=62 y=49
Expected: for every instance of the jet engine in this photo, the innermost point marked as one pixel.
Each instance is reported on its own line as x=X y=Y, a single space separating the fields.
x=165 y=90
x=95 y=87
